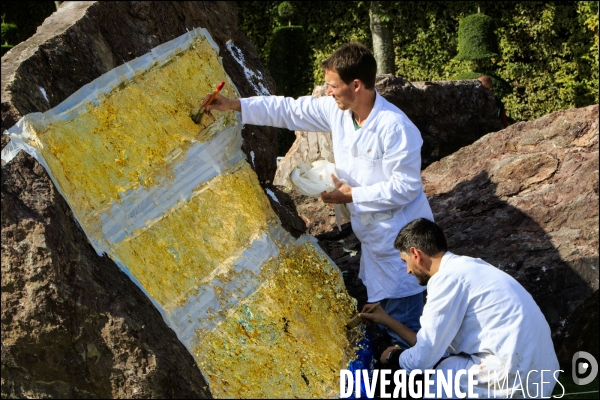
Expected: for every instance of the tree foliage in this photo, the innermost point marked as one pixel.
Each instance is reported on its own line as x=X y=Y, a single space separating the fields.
x=7 y=29
x=27 y=15
x=289 y=61
x=467 y=75
x=286 y=11
x=327 y=25
x=547 y=51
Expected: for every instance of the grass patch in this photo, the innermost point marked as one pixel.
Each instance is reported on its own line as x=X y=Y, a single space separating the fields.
x=571 y=390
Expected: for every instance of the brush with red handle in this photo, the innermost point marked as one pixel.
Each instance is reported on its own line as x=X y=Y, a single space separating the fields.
x=198 y=114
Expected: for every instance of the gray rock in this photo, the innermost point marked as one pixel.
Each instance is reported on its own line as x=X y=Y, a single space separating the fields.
x=449 y=114
x=525 y=199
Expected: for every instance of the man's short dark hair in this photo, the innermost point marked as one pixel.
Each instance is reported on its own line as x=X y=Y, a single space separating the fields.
x=353 y=61
x=424 y=235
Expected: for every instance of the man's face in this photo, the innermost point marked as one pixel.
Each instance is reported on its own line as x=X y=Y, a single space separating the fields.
x=343 y=94
x=414 y=269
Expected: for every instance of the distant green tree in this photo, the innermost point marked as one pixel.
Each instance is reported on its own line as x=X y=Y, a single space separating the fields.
x=383 y=39
x=286 y=11
x=27 y=15
x=7 y=29
x=476 y=38
x=327 y=25
x=289 y=61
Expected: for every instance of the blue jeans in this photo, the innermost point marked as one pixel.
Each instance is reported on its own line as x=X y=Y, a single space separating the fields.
x=407 y=310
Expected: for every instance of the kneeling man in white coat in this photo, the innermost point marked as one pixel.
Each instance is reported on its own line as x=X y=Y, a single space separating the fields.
x=476 y=318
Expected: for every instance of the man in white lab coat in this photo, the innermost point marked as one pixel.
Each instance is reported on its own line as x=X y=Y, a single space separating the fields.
x=377 y=152
x=476 y=318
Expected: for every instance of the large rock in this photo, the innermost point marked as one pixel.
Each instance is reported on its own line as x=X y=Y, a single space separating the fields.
x=525 y=199
x=449 y=114
x=73 y=325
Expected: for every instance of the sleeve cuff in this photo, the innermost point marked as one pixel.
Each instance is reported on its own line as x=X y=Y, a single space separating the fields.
x=358 y=198
x=243 y=106
x=360 y=201
x=395 y=357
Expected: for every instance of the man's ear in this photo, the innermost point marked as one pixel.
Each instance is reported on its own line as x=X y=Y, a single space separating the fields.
x=357 y=84
x=415 y=253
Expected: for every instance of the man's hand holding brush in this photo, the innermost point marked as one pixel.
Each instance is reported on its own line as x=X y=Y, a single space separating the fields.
x=222 y=103
x=216 y=101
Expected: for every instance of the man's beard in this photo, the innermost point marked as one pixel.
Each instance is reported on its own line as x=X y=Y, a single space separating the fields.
x=341 y=106
x=422 y=278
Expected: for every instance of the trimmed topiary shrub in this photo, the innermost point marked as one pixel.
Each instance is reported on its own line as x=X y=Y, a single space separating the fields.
x=286 y=11
x=7 y=29
x=476 y=38
x=289 y=61
x=290 y=65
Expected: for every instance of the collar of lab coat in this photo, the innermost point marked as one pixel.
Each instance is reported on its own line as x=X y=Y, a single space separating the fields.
x=373 y=114
x=447 y=256
x=445 y=259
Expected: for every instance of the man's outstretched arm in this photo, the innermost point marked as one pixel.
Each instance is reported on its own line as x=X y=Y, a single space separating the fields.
x=304 y=113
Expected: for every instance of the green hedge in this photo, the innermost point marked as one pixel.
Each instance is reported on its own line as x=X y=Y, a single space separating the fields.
x=327 y=25
x=6 y=47
x=548 y=51
x=467 y=75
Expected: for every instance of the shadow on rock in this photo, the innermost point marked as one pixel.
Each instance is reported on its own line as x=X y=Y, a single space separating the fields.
x=479 y=224
x=525 y=199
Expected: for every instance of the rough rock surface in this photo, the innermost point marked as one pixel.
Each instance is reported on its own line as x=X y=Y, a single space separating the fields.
x=73 y=325
x=525 y=199
x=449 y=114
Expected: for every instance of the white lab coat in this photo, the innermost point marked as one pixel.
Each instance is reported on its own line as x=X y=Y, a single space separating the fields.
x=487 y=321
x=381 y=161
